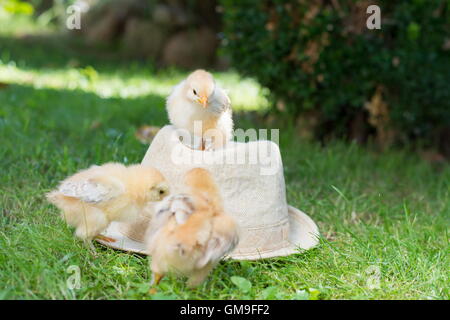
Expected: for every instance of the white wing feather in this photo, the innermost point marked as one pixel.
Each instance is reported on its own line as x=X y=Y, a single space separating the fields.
x=88 y=191
x=219 y=102
x=217 y=248
x=179 y=205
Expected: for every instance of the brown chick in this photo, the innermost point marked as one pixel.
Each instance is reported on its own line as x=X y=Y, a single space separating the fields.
x=92 y=198
x=190 y=232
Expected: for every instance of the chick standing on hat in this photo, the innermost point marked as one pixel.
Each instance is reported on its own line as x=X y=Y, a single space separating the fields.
x=92 y=198
x=190 y=232
x=200 y=106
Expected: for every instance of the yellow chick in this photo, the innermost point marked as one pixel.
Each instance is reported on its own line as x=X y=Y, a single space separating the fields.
x=198 y=105
x=92 y=198
x=190 y=233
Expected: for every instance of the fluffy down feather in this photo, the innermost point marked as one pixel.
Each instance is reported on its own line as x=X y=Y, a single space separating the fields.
x=92 y=198
x=199 y=99
x=190 y=233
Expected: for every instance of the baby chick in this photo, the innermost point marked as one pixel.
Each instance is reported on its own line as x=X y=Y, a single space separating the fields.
x=92 y=198
x=199 y=98
x=190 y=232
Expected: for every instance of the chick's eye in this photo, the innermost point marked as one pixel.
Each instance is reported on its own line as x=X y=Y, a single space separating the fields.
x=161 y=191
x=195 y=92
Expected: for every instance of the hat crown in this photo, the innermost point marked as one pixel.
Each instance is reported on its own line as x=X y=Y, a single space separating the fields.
x=251 y=183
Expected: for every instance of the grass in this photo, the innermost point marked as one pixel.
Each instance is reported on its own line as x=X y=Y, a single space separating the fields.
x=381 y=216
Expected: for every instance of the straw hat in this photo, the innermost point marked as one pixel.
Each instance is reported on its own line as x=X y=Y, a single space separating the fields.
x=251 y=182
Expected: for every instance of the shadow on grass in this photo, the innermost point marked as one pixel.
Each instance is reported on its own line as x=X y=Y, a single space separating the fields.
x=60 y=51
x=44 y=128
x=58 y=104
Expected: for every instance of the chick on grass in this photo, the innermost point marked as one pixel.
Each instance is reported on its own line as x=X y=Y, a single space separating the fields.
x=190 y=233
x=92 y=198
x=200 y=106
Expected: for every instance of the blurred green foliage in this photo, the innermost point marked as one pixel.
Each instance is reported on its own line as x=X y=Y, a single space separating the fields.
x=319 y=55
x=17 y=7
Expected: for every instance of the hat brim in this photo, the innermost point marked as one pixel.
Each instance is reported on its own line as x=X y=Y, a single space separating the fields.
x=303 y=235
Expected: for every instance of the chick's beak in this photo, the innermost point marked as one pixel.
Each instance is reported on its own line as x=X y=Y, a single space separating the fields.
x=203 y=101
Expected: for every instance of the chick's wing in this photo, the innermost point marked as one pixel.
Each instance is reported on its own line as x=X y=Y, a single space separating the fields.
x=90 y=190
x=219 y=101
x=223 y=239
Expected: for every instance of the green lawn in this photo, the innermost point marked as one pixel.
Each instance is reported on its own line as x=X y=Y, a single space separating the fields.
x=64 y=111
